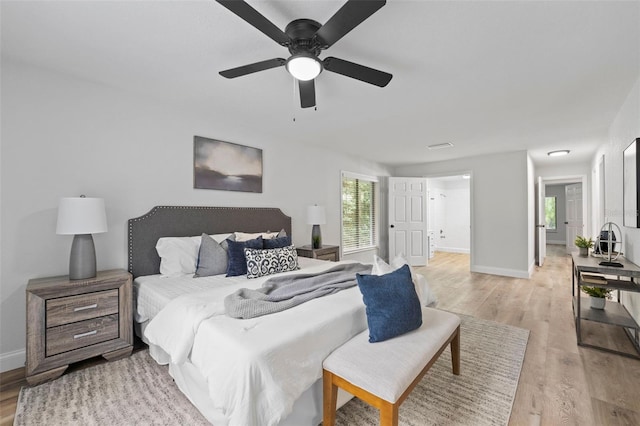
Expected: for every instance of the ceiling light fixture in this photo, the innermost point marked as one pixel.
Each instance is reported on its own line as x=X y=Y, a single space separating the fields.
x=304 y=66
x=440 y=145
x=558 y=153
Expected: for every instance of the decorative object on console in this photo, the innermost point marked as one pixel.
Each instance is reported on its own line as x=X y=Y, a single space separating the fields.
x=305 y=39
x=606 y=244
x=226 y=166
x=81 y=217
x=584 y=244
x=597 y=295
x=316 y=216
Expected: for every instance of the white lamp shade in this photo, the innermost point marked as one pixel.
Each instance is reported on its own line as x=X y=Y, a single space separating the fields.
x=81 y=215
x=316 y=215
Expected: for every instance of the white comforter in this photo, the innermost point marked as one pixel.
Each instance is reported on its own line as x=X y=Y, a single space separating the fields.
x=255 y=369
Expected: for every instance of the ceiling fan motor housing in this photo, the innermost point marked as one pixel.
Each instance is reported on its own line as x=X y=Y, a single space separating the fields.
x=302 y=34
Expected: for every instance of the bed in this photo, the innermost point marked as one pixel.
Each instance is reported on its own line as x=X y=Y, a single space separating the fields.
x=259 y=371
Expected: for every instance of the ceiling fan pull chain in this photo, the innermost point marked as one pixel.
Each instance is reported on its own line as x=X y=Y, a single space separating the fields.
x=294 y=98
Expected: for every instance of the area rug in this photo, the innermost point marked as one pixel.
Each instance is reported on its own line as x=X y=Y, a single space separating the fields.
x=137 y=391
x=491 y=356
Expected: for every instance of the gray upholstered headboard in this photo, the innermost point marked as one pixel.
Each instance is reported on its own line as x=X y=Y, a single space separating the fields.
x=186 y=221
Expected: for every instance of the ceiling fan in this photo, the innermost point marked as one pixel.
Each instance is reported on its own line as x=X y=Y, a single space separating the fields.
x=305 y=39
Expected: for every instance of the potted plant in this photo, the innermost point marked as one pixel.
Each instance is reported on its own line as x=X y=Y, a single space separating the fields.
x=584 y=244
x=598 y=296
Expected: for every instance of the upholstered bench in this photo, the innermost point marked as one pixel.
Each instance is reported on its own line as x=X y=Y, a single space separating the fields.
x=383 y=374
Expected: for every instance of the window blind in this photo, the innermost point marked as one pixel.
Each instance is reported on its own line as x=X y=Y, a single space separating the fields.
x=359 y=216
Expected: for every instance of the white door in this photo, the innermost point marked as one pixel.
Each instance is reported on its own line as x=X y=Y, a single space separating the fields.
x=575 y=225
x=408 y=219
x=541 y=232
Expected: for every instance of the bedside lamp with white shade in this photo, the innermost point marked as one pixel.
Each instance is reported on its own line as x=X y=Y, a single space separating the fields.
x=81 y=217
x=316 y=216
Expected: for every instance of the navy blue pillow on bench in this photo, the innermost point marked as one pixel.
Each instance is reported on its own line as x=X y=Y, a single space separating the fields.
x=392 y=305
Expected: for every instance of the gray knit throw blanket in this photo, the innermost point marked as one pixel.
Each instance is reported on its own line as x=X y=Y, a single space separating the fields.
x=284 y=292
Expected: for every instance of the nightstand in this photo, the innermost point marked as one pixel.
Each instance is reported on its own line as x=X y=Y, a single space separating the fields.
x=331 y=253
x=72 y=320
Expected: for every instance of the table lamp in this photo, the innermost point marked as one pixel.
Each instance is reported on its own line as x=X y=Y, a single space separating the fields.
x=81 y=217
x=316 y=217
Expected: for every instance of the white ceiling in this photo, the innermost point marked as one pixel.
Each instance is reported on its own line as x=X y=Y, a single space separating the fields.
x=487 y=76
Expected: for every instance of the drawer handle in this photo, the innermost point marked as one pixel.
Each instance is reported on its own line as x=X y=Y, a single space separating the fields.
x=88 y=333
x=82 y=308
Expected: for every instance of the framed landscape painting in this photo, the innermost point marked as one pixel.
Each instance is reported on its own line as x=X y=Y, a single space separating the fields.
x=226 y=166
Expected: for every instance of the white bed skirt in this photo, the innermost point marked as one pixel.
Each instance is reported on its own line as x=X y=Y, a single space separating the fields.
x=307 y=410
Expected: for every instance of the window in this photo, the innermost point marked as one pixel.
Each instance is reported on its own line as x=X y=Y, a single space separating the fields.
x=359 y=212
x=550 y=212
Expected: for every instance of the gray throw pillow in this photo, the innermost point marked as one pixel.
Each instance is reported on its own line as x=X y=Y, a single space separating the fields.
x=212 y=258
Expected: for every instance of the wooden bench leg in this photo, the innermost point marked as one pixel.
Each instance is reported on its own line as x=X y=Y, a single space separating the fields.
x=329 y=399
x=388 y=414
x=455 y=352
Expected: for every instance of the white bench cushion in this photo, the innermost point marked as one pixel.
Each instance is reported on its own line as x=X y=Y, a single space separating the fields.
x=386 y=369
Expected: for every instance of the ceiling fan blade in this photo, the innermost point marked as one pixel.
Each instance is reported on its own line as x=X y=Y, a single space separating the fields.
x=359 y=72
x=253 y=17
x=350 y=15
x=251 y=68
x=307 y=93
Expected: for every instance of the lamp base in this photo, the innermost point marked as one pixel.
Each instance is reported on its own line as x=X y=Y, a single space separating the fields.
x=82 y=262
x=316 y=237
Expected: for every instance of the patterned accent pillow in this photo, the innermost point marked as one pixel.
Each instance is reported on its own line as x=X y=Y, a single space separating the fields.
x=270 y=261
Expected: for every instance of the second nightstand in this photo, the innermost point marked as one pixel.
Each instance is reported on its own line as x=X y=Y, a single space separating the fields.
x=72 y=320
x=331 y=253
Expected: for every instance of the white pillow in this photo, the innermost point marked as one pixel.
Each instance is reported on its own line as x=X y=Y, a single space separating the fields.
x=243 y=236
x=179 y=255
x=380 y=267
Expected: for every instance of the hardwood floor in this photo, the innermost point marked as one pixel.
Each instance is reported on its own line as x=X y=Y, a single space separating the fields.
x=560 y=382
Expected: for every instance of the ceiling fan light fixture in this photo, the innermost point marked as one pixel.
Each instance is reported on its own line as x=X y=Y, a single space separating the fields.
x=304 y=66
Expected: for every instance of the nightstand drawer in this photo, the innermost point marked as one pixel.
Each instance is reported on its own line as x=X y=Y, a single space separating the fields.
x=332 y=257
x=66 y=310
x=79 y=334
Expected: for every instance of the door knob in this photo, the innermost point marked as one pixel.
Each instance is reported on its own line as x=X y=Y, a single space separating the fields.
x=392 y=226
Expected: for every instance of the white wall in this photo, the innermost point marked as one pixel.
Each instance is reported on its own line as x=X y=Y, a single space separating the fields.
x=500 y=213
x=624 y=129
x=64 y=137
x=452 y=214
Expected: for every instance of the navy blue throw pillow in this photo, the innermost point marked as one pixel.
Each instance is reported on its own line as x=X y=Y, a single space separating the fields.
x=237 y=261
x=271 y=243
x=392 y=304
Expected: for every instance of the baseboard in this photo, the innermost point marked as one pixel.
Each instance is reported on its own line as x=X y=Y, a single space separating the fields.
x=12 y=360
x=515 y=273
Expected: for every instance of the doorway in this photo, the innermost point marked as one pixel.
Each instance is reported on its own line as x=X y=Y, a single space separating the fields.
x=449 y=220
x=565 y=208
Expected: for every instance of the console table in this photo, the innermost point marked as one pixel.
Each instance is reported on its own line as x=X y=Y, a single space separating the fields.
x=614 y=313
